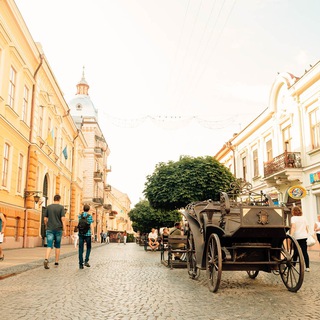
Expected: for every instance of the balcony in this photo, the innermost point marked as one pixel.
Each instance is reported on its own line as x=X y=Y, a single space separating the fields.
x=113 y=214
x=107 y=206
x=286 y=167
x=97 y=200
x=97 y=176
x=98 y=152
x=107 y=187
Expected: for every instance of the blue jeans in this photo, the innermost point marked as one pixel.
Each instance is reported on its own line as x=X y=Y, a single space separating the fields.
x=54 y=237
x=82 y=240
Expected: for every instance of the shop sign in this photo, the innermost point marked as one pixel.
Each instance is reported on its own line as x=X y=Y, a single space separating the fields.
x=315 y=177
x=297 y=192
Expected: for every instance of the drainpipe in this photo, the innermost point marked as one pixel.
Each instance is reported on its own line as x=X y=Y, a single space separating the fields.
x=72 y=179
x=25 y=233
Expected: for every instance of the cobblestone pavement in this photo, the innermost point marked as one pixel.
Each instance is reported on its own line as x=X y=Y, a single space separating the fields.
x=125 y=282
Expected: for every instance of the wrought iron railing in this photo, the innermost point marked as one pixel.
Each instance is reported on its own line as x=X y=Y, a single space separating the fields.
x=283 y=161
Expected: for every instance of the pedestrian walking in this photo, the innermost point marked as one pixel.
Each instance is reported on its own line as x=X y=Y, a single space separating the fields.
x=299 y=230
x=55 y=222
x=125 y=237
x=107 y=237
x=3 y=223
x=317 y=228
x=86 y=233
x=118 y=237
x=75 y=236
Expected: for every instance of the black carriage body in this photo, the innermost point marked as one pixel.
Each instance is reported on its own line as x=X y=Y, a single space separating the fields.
x=251 y=237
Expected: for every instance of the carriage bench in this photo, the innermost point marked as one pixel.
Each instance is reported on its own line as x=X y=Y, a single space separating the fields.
x=173 y=252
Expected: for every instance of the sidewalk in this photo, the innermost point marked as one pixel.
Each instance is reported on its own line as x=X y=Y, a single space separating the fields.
x=20 y=260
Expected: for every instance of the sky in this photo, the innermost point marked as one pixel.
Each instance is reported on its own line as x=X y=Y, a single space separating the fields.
x=172 y=77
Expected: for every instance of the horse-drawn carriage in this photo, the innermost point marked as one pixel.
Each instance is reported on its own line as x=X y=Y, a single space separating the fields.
x=242 y=234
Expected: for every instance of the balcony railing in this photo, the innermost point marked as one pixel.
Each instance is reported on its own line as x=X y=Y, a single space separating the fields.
x=107 y=206
x=107 y=187
x=97 y=176
x=287 y=160
x=98 y=152
x=97 y=200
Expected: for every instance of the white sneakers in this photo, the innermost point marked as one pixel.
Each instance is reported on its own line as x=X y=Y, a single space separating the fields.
x=308 y=269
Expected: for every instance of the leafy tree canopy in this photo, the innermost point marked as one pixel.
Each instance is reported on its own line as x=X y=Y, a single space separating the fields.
x=173 y=185
x=144 y=217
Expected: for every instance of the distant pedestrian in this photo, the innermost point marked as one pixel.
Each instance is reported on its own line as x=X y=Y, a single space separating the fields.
x=86 y=233
x=102 y=236
x=125 y=237
x=299 y=230
x=317 y=228
x=3 y=223
x=75 y=236
x=107 y=237
x=54 y=219
x=118 y=237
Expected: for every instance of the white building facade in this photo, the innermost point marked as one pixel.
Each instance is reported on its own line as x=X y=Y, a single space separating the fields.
x=279 y=151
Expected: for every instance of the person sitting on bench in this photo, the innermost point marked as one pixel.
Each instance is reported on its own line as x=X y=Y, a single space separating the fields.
x=153 y=239
x=177 y=231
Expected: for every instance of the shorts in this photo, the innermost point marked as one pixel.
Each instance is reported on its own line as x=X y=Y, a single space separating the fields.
x=1 y=237
x=54 y=238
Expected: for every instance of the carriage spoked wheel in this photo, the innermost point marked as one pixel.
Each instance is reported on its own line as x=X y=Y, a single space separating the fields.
x=213 y=262
x=193 y=270
x=291 y=266
x=253 y=274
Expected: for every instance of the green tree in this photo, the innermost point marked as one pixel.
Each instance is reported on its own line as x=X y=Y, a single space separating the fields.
x=173 y=185
x=144 y=217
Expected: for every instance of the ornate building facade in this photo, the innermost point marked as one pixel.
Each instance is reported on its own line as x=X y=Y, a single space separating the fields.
x=279 y=151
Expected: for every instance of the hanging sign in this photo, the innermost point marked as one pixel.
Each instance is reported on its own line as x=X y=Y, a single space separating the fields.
x=297 y=192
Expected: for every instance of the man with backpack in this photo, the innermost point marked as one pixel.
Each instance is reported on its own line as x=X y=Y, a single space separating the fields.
x=86 y=232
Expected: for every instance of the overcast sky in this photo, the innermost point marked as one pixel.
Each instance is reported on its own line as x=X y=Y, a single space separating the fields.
x=172 y=77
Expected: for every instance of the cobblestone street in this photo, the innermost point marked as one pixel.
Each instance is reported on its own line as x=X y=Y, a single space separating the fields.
x=125 y=282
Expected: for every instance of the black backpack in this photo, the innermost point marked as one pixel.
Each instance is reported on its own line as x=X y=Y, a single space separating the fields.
x=83 y=225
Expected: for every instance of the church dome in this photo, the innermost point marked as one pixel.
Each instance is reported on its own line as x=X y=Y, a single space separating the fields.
x=81 y=105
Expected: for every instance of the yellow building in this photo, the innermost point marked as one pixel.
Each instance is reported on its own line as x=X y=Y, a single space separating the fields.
x=40 y=145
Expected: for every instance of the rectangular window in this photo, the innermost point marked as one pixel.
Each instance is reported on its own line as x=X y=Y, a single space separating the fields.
x=25 y=102
x=20 y=168
x=255 y=163
x=244 y=168
x=286 y=138
x=314 y=117
x=269 y=150
x=5 y=168
x=12 y=87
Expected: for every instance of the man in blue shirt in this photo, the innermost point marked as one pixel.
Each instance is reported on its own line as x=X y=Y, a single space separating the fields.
x=85 y=238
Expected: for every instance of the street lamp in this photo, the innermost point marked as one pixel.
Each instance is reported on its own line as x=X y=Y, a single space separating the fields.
x=35 y=194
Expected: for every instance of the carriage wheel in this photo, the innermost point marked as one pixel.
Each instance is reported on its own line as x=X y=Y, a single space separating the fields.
x=193 y=270
x=291 y=268
x=213 y=262
x=253 y=274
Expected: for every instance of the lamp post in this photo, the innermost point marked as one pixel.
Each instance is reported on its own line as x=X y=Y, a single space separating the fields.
x=35 y=194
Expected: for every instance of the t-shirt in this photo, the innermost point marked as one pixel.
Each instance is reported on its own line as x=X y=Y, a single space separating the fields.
x=301 y=227
x=54 y=213
x=89 y=220
x=153 y=235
